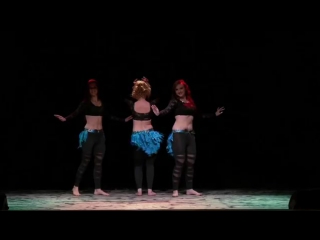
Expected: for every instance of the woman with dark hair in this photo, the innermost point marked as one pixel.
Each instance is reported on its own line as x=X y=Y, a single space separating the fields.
x=92 y=138
x=181 y=142
x=145 y=141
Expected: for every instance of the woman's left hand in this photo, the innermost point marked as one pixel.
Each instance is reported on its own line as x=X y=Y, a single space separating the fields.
x=219 y=111
x=155 y=110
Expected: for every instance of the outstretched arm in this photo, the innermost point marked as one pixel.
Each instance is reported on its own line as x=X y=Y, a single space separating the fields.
x=213 y=115
x=78 y=111
x=114 y=118
x=172 y=104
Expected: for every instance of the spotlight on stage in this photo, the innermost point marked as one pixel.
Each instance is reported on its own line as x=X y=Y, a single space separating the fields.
x=3 y=202
x=305 y=200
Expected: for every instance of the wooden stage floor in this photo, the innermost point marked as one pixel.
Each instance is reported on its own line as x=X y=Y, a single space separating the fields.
x=126 y=200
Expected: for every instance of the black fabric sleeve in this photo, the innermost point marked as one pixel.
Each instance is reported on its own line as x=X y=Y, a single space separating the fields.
x=171 y=106
x=82 y=106
x=129 y=103
x=111 y=117
x=208 y=115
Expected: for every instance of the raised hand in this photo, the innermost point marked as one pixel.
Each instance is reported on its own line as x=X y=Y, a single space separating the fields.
x=128 y=119
x=219 y=111
x=155 y=110
x=62 y=119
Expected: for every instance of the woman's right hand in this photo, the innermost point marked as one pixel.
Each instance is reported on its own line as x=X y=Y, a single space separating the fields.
x=155 y=110
x=62 y=119
x=128 y=118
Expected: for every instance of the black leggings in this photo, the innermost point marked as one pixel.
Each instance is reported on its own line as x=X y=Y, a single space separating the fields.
x=95 y=143
x=140 y=157
x=184 y=148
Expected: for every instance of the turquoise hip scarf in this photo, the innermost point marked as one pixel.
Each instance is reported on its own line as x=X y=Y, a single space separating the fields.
x=170 y=139
x=83 y=136
x=148 y=141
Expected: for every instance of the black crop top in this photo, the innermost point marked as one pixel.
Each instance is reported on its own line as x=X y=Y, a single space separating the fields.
x=180 y=108
x=140 y=116
x=89 y=109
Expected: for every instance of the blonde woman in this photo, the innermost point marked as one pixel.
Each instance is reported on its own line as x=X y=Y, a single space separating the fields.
x=144 y=139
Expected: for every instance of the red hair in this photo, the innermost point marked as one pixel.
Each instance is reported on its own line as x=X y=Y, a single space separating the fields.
x=187 y=90
x=92 y=81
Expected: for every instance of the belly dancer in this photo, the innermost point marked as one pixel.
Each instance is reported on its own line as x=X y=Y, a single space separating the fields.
x=92 y=138
x=144 y=139
x=181 y=143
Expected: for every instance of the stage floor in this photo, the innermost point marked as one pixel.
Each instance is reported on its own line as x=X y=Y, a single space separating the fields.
x=126 y=200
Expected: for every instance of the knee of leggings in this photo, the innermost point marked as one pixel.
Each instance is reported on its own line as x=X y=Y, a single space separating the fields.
x=179 y=161
x=191 y=158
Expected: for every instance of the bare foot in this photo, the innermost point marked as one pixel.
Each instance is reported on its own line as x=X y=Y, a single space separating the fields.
x=139 y=192
x=100 y=192
x=75 y=191
x=175 y=193
x=193 y=192
x=151 y=193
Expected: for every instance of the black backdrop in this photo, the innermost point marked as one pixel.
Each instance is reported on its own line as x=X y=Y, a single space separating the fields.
x=267 y=81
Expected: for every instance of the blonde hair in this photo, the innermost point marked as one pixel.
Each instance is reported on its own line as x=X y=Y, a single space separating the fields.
x=141 y=89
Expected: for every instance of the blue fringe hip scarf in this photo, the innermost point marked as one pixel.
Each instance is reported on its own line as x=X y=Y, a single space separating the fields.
x=170 y=139
x=83 y=136
x=148 y=141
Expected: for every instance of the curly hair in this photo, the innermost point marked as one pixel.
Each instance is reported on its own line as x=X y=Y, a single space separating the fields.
x=141 y=89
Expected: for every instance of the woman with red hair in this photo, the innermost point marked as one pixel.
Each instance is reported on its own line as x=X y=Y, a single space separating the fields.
x=181 y=142
x=92 y=138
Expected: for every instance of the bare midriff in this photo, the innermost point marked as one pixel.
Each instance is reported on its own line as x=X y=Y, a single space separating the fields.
x=93 y=123
x=183 y=123
x=142 y=125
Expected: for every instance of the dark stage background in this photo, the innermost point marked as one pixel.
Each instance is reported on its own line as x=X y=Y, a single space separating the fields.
x=268 y=136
